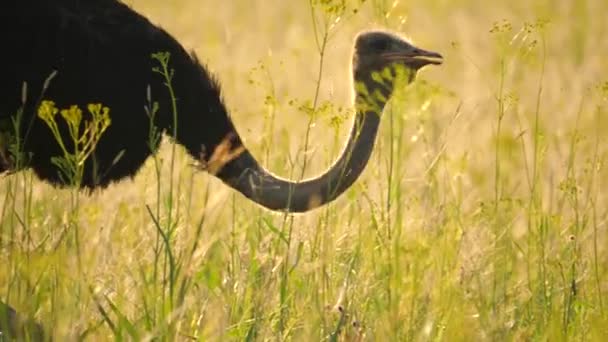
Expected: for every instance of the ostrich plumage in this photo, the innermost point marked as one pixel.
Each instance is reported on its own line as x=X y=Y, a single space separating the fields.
x=99 y=51
x=14 y=326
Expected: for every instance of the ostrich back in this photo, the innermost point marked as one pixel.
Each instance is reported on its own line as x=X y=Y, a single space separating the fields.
x=100 y=52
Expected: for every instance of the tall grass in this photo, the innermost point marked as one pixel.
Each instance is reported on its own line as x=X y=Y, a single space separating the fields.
x=481 y=216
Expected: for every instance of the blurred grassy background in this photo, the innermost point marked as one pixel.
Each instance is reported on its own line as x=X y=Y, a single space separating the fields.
x=482 y=215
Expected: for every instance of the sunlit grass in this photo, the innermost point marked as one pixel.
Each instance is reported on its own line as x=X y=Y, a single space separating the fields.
x=481 y=216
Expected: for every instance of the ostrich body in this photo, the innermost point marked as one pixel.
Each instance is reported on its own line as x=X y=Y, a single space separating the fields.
x=14 y=326
x=100 y=52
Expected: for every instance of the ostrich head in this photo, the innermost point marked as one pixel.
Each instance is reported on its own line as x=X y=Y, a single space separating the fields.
x=380 y=51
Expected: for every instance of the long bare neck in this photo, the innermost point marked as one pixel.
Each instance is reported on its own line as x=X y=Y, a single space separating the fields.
x=243 y=173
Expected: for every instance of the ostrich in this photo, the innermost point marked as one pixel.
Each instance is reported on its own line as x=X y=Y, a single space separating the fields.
x=15 y=326
x=99 y=52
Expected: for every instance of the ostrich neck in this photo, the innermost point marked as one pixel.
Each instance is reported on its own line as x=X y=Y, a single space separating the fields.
x=244 y=173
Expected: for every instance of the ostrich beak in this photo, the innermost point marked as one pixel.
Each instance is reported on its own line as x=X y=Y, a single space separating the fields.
x=414 y=57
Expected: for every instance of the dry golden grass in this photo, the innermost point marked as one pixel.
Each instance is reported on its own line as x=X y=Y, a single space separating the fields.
x=466 y=229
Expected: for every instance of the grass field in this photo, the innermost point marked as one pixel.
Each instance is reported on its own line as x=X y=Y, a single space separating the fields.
x=482 y=215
